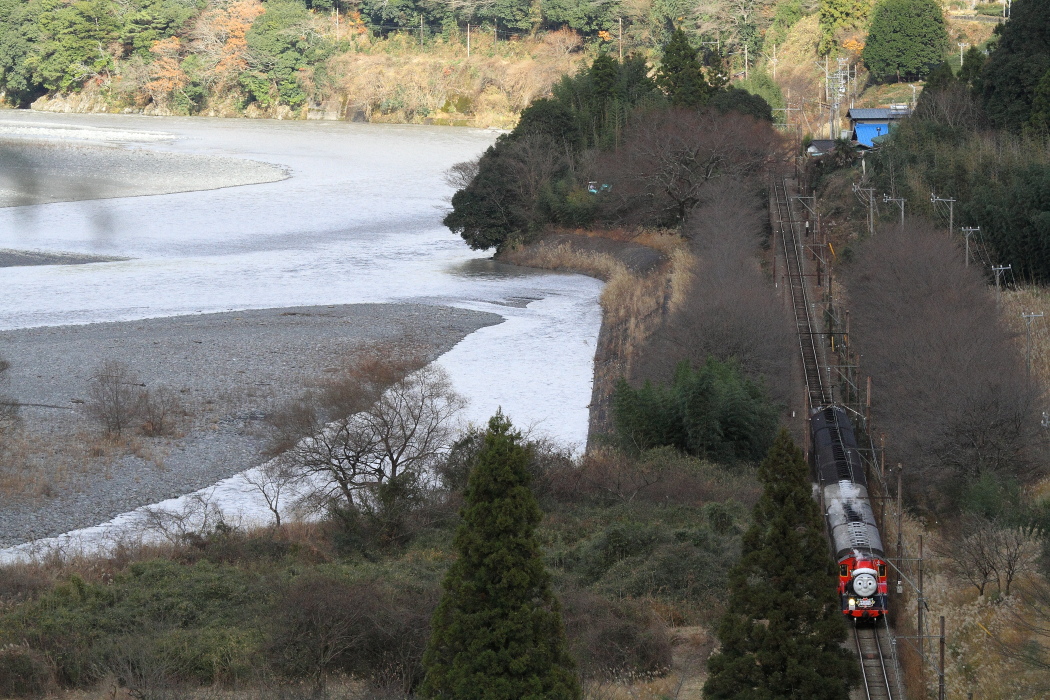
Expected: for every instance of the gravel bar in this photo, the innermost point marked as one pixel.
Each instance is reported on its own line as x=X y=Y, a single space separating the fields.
x=39 y=172
x=228 y=369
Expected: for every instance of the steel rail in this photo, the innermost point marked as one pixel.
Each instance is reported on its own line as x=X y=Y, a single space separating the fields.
x=818 y=393
x=876 y=677
x=882 y=661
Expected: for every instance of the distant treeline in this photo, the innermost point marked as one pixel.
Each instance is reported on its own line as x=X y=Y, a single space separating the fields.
x=179 y=53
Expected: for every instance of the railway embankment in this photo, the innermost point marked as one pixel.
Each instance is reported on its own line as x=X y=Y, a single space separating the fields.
x=646 y=274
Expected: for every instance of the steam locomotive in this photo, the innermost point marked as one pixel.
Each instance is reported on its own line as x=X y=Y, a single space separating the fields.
x=843 y=491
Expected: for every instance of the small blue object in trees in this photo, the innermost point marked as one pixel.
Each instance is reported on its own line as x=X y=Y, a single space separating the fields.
x=594 y=188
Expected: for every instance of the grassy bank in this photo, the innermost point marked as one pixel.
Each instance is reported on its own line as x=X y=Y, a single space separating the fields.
x=639 y=550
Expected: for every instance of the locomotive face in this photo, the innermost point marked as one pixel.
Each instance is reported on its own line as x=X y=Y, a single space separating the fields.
x=865 y=585
x=862 y=586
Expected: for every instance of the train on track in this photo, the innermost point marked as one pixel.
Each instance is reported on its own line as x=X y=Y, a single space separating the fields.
x=842 y=488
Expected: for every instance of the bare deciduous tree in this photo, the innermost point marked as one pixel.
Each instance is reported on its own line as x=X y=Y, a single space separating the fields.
x=160 y=410
x=462 y=174
x=115 y=397
x=732 y=311
x=950 y=386
x=374 y=458
x=273 y=480
x=669 y=155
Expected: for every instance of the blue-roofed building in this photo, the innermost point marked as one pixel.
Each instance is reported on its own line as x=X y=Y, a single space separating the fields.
x=870 y=125
x=869 y=135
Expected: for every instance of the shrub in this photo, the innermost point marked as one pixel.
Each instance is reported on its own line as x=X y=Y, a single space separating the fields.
x=376 y=631
x=23 y=672
x=655 y=560
x=614 y=638
x=115 y=397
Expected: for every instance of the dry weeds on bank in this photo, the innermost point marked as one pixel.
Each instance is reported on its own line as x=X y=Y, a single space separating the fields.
x=392 y=81
x=634 y=304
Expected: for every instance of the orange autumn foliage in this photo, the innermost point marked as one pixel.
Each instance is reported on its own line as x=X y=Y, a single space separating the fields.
x=165 y=72
x=220 y=36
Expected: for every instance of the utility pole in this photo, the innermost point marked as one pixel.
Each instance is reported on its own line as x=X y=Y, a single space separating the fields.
x=961 y=47
x=1028 y=318
x=871 y=205
x=620 y=39
x=969 y=231
x=899 y=201
x=921 y=601
x=420 y=30
x=940 y=668
x=468 y=39
x=999 y=270
x=951 y=210
x=745 y=60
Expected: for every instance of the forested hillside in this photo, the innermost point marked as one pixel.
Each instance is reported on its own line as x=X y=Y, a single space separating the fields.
x=408 y=60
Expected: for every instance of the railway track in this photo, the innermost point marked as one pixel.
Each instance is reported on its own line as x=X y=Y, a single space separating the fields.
x=818 y=389
x=873 y=667
x=879 y=671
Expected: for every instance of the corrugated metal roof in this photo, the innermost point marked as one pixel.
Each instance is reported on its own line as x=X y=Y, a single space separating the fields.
x=865 y=134
x=879 y=113
x=821 y=146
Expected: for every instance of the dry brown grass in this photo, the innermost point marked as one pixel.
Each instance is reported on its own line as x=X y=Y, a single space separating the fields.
x=37 y=465
x=393 y=80
x=1032 y=299
x=976 y=628
x=633 y=305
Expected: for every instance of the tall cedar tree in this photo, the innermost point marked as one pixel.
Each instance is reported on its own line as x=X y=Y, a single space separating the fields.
x=497 y=632
x=907 y=38
x=782 y=632
x=680 y=73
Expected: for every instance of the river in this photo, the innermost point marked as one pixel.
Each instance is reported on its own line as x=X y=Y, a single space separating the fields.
x=357 y=219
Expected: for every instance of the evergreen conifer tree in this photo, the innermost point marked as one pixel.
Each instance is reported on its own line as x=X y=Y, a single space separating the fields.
x=680 y=73
x=1021 y=58
x=497 y=632
x=782 y=631
x=907 y=38
x=1040 y=119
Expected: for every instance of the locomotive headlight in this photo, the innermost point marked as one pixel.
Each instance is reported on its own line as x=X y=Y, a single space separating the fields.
x=865 y=585
x=852 y=603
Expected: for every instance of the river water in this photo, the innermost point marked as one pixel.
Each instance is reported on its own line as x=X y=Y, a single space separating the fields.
x=358 y=219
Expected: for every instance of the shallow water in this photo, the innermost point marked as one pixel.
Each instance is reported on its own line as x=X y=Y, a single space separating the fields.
x=358 y=220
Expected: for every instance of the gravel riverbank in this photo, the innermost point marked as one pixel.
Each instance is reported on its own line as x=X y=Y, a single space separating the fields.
x=227 y=369
x=39 y=172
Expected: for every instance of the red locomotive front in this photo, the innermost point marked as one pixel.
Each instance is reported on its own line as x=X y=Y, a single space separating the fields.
x=862 y=587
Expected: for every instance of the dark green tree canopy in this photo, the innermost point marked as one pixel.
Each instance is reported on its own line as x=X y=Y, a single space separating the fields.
x=733 y=99
x=1040 y=119
x=907 y=38
x=497 y=632
x=972 y=65
x=782 y=632
x=1018 y=63
x=681 y=76
x=713 y=411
